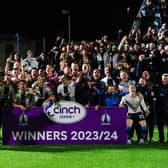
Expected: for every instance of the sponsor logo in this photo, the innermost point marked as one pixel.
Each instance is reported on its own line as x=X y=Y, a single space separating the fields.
x=105 y=119
x=23 y=120
x=64 y=112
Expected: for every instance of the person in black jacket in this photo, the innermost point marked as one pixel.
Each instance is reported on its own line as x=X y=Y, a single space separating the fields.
x=148 y=98
x=162 y=106
x=6 y=92
x=91 y=96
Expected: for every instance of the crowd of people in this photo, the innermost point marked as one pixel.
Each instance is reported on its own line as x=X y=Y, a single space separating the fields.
x=132 y=73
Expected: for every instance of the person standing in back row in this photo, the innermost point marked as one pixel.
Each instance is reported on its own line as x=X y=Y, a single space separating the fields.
x=150 y=15
x=162 y=106
x=148 y=98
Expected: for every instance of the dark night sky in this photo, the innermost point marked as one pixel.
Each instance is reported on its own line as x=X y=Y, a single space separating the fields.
x=89 y=19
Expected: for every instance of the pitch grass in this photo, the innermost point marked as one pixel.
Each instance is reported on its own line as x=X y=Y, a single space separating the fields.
x=85 y=156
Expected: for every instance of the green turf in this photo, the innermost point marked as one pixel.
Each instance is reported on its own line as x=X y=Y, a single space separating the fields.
x=85 y=156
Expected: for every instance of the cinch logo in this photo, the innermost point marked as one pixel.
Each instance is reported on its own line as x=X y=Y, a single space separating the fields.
x=64 y=112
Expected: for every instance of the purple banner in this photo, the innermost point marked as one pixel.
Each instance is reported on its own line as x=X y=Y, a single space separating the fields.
x=64 y=123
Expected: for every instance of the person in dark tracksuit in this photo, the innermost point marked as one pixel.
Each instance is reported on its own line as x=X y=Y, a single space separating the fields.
x=1 y=96
x=6 y=91
x=148 y=98
x=91 y=97
x=162 y=106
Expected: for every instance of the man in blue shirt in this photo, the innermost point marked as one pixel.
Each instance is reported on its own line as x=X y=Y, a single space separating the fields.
x=113 y=96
